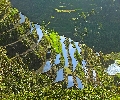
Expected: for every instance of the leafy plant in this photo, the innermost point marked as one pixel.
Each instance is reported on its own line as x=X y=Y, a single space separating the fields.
x=18 y=78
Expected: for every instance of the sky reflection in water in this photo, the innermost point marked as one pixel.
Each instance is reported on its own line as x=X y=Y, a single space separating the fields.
x=112 y=69
x=47 y=67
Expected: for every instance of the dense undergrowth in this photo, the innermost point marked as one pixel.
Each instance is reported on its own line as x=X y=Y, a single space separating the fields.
x=21 y=56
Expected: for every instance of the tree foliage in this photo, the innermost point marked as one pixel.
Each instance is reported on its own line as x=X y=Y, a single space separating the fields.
x=21 y=56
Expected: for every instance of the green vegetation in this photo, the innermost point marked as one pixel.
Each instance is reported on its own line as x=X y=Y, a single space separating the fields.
x=21 y=56
x=100 y=17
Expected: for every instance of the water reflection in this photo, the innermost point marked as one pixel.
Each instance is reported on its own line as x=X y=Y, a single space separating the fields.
x=70 y=81
x=71 y=51
x=48 y=64
x=112 y=69
x=80 y=85
x=39 y=32
x=22 y=18
x=60 y=76
x=64 y=50
x=57 y=60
